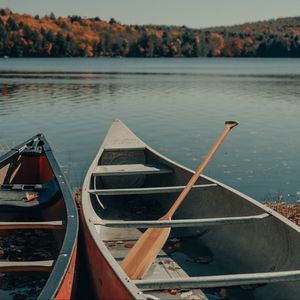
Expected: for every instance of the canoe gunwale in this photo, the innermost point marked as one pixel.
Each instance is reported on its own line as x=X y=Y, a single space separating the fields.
x=70 y=240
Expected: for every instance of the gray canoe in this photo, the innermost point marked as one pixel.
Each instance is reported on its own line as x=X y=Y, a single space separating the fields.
x=223 y=244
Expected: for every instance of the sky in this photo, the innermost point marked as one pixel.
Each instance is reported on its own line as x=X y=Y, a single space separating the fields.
x=191 y=13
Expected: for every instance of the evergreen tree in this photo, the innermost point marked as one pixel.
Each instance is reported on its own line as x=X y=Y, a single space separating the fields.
x=50 y=36
x=112 y=21
x=3 y=40
x=11 y=24
x=52 y=16
x=27 y=32
x=60 y=45
x=17 y=49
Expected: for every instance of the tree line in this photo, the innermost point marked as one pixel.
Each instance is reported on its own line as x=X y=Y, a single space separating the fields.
x=51 y=36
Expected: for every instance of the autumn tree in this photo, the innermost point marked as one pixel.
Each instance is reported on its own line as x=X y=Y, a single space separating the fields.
x=21 y=35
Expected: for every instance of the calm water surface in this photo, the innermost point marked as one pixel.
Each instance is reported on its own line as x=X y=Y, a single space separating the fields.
x=178 y=106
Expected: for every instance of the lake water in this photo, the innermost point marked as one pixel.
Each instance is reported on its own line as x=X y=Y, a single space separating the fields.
x=177 y=106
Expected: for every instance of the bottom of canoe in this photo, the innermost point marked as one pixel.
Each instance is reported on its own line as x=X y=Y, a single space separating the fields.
x=107 y=284
x=25 y=270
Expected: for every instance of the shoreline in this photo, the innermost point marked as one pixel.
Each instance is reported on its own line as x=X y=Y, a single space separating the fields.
x=289 y=210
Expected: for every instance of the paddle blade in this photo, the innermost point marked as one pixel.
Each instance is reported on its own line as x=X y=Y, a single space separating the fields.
x=142 y=255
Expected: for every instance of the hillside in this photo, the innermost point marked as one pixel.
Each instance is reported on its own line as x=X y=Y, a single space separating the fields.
x=34 y=36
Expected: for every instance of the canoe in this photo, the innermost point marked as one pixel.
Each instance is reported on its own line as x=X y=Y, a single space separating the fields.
x=223 y=244
x=38 y=225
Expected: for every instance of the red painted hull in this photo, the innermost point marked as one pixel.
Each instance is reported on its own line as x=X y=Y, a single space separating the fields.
x=69 y=284
x=106 y=283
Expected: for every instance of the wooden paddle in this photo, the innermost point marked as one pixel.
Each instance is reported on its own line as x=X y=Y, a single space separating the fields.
x=141 y=256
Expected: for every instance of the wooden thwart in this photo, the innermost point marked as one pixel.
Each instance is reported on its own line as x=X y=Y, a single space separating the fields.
x=130 y=169
x=124 y=148
x=20 y=187
x=149 y=190
x=184 y=223
x=26 y=266
x=218 y=281
x=33 y=225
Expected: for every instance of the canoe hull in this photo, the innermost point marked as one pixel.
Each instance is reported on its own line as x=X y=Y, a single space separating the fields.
x=69 y=284
x=106 y=283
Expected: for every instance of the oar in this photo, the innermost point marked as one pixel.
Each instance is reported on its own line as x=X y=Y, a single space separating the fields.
x=143 y=253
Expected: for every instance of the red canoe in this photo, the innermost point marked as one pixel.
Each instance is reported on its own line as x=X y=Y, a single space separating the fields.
x=223 y=244
x=39 y=225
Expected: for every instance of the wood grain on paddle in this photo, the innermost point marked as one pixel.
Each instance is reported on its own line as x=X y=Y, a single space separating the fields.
x=142 y=255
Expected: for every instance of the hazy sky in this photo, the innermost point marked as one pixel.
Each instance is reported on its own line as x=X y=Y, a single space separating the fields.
x=192 y=13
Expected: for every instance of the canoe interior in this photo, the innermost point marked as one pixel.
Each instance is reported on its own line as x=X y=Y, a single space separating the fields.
x=265 y=245
x=27 y=241
x=26 y=169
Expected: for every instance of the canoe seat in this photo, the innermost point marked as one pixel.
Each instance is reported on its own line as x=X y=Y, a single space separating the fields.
x=130 y=169
x=14 y=195
x=26 y=266
x=148 y=190
x=33 y=225
x=184 y=222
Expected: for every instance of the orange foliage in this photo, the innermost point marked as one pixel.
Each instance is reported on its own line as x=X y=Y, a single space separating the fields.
x=233 y=47
x=48 y=48
x=249 y=41
x=248 y=30
x=82 y=32
x=82 y=36
x=218 y=44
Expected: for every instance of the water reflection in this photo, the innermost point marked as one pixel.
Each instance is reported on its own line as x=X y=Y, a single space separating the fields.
x=178 y=112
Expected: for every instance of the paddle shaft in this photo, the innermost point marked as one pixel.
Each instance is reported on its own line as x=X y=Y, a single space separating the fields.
x=140 y=258
x=228 y=126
